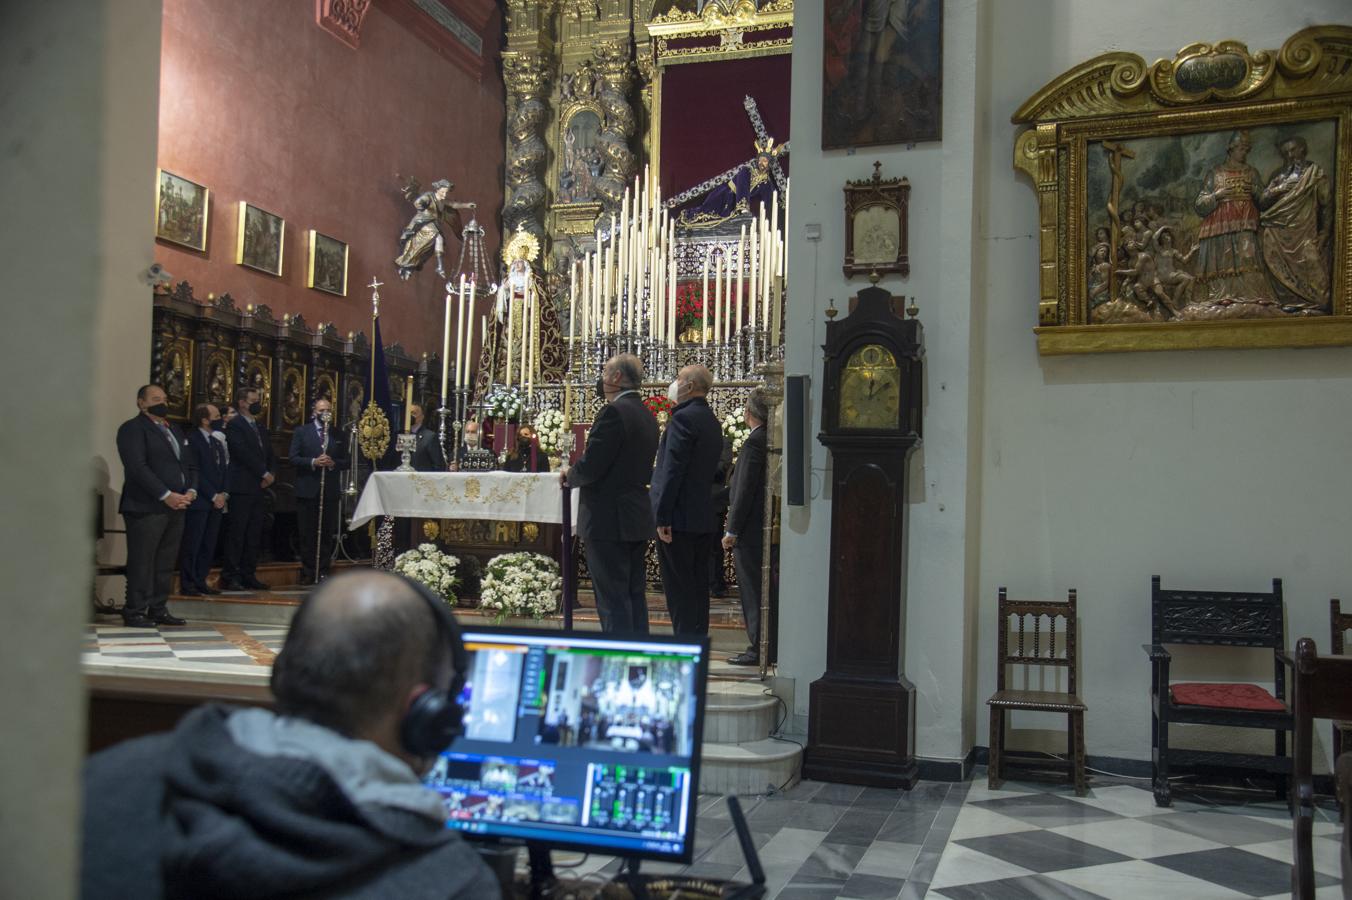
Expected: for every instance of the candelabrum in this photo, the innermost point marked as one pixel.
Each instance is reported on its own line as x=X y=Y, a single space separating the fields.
x=405 y=443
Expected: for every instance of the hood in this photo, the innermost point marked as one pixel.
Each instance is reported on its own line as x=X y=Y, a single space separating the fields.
x=253 y=809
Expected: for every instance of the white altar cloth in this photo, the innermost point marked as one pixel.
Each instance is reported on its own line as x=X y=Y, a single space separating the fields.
x=505 y=496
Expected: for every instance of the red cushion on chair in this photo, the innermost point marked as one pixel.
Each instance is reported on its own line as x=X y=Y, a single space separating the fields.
x=1225 y=696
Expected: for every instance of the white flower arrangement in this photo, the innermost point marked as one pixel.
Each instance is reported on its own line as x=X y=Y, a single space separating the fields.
x=506 y=402
x=428 y=565
x=734 y=426
x=554 y=431
x=521 y=584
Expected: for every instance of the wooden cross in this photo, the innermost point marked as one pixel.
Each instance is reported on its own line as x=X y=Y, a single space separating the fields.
x=758 y=125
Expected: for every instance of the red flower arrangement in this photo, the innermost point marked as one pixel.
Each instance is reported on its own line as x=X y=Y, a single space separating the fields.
x=659 y=403
x=690 y=303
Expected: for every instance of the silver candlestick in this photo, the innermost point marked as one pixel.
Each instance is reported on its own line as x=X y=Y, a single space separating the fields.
x=405 y=443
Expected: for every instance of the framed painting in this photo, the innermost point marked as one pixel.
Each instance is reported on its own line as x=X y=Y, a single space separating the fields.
x=876 y=235
x=182 y=208
x=293 y=395
x=328 y=264
x=258 y=375
x=1199 y=202
x=883 y=78
x=260 y=239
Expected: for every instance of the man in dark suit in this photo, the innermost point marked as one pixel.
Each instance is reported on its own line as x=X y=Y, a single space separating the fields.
x=683 y=504
x=202 y=522
x=427 y=454
x=160 y=484
x=614 y=517
x=745 y=534
x=252 y=465
x=318 y=455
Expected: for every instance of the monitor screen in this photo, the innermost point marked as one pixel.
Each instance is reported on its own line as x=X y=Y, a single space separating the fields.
x=579 y=740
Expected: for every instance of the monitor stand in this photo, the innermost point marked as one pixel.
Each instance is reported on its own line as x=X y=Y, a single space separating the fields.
x=541 y=871
x=638 y=886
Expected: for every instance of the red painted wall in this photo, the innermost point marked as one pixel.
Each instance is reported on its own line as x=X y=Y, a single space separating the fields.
x=260 y=104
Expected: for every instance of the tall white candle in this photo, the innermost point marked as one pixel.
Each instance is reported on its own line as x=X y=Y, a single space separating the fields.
x=720 y=297
x=741 y=261
x=671 y=282
x=511 y=330
x=469 y=333
x=446 y=345
x=572 y=300
x=459 y=337
x=752 y=262
x=705 y=299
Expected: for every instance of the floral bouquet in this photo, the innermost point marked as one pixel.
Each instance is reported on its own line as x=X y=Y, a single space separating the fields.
x=431 y=567
x=660 y=406
x=554 y=432
x=734 y=426
x=506 y=402
x=521 y=584
x=690 y=304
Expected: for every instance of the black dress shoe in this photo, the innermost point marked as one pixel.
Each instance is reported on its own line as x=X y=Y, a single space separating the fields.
x=208 y=590
x=745 y=659
x=228 y=586
x=166 y=618
x=255 y=584
x=136 y=620
x=190 y=592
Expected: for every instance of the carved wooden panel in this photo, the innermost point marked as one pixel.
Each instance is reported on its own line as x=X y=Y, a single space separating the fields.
x=865 y=589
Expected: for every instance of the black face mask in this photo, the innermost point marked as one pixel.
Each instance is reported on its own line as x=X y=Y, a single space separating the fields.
x=255 y=408
x=218 y=424
x=600 y=388
x=159 y=409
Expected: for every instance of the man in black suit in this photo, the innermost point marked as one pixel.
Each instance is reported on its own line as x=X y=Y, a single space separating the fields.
x=683 y=504
x=202 y=522
x=614 y=517
x=251 y=473
x=427 y=454
x=745 y=534
x=318 y=455
x=160 y=484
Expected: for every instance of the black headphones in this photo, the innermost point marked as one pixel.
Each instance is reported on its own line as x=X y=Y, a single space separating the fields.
x=434 y=718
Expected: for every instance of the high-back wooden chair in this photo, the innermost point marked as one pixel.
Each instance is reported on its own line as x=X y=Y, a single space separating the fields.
x=1038 y=649
x=1340 y=623
x=1323 y=690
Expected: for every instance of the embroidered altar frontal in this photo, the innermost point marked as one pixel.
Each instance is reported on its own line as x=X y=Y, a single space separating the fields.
x=505 y=496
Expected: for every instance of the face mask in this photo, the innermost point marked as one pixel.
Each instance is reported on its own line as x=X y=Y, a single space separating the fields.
x=255 y=408
x=218 y=424
x=674 y=392
x=472 y=440
x=160 y=410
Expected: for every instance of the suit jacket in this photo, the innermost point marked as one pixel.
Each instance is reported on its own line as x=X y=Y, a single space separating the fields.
x=746 y=517
x=150 y=466
x=722 y=480
x=613 y=472
x=251 y=455
x=687 y=464
x=212 y=470
x=427 y=455
x=305 y=448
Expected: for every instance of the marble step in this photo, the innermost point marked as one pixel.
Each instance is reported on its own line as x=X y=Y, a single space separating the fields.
x=753 y=767
x=738 y=712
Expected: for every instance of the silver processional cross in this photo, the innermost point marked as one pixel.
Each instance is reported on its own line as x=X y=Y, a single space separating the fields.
x=762 y=136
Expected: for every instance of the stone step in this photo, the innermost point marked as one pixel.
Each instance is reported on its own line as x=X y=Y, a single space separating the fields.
x=737 y=712
x=753 y=767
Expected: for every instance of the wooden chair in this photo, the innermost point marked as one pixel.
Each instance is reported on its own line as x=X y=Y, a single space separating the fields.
x=1219 y=619
x=1322 y=690
x=1339 y=624
x=1343 y=774
x=1068 y=702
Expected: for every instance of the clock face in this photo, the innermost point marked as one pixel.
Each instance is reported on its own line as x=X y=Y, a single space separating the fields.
x=870 y=390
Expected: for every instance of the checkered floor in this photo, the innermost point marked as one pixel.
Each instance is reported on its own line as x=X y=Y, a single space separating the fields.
x=198 y=642
x=964 y=842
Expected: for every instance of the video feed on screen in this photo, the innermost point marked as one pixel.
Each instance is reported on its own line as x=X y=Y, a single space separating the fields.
x=490 y=694
x=635 y=704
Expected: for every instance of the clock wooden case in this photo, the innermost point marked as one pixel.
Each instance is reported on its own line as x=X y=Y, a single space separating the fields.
x=861 y=725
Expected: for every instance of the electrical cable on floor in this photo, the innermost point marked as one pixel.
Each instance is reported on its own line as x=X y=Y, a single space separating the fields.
x=1111 y=774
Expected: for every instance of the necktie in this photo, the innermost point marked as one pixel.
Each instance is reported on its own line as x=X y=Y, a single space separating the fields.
x=258 y=433
x=173 y=441
x=218 y=452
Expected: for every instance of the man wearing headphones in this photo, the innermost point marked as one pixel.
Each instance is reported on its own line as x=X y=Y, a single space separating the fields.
x=322 y=798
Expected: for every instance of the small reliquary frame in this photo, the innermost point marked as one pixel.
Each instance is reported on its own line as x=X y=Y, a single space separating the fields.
x=876 y=226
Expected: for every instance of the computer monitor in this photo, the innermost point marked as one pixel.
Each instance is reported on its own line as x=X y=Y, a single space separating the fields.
x=581 y=741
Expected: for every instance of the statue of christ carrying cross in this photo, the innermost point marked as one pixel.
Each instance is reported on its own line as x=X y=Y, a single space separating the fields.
x=741 y=190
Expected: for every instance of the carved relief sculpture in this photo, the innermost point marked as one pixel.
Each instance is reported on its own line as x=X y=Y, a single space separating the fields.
x=526 y=76
x=616 y=72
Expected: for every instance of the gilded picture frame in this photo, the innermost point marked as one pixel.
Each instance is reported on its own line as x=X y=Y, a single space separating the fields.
x=293 y=395
x=258 y=375
x=177 y=376
x=876 y=231
x=182 y=210
x=260 y=239
x=328 y=264
x=1196 y=203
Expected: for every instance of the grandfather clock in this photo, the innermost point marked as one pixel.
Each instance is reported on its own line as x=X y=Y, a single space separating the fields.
x=861 y=721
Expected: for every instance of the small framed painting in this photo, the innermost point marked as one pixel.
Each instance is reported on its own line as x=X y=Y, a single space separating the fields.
x=328 y=264
x=181 y=210
x=261 y=238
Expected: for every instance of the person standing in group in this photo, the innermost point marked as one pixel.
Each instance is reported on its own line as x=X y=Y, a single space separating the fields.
x=160 y=484
x=682 y=499
x=718 y=582
x=615 y=518
x=745 y=534
x=202 y=523
x=251 y=472
x=427 y=455
x=318 y=455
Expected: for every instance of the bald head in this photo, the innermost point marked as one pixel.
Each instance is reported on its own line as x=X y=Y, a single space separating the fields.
x=357 y=646
x=696 y=380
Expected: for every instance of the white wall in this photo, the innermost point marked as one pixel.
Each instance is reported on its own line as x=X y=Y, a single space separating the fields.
x=941 y=578
x=1213 y=469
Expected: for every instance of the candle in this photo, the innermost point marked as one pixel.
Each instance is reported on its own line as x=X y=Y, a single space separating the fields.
x=609 y=275
x=572 y=299
x=469 y=332
x=525 y=320
x=586 y=295
x=753 y=262
x=741 y=261
x=408 y=405
x=703 y=329
x=446 y=345
x=459 y=343
x=511 y=328
x=720 y=302
x=671 y=282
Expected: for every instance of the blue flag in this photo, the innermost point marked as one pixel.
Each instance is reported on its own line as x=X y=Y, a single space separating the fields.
x=380 y=395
